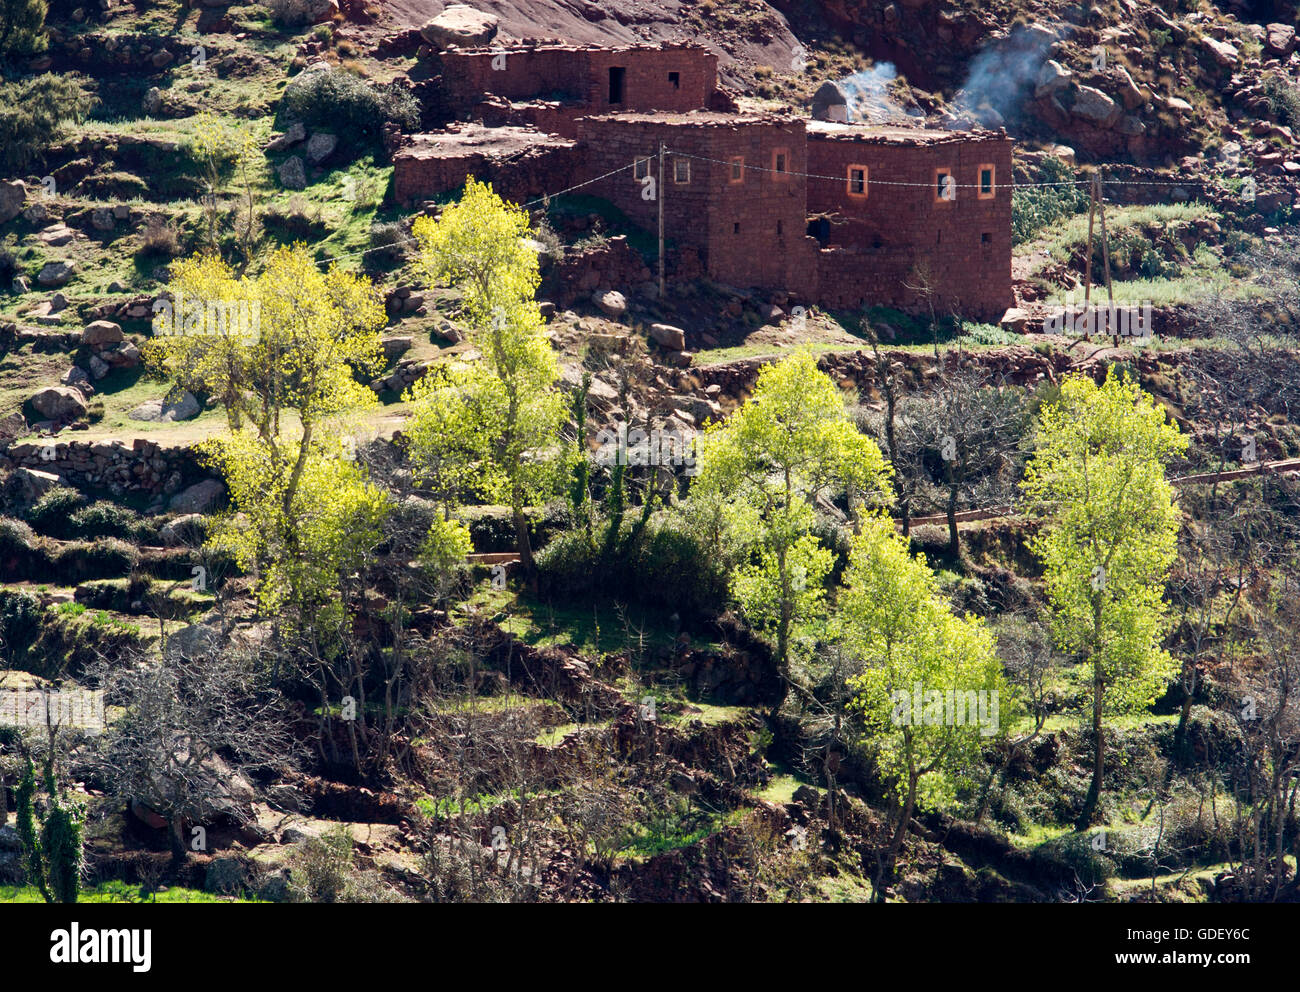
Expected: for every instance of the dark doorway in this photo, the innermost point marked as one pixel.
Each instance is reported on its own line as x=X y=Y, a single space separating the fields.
x=616 y=76
x=820 y=228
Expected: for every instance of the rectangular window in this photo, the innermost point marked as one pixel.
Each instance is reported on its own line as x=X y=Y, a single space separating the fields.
x=737 y=169
x=778 y=229
x=988 y=182
x=735 y=228
x=675 y=78
x=617 y=74
x=681 y=170
x=986 y=238
x=781 y=162
x=945 y=186
x=641 y=168
x=857 y=181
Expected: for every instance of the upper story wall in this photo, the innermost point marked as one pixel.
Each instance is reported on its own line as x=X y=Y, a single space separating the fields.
x=676 y=78
x=890 y=205
x=732 y=188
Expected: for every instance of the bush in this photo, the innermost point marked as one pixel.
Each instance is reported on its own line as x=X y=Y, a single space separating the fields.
x=106 y=559
x=346 y=105
x=160 y=238
x=387 y=242
x=105 y=519
x=22 y=27
x=1283 y=100
x=52 y=513
x=32 y=114
x=20 y=622
x=1034 y=207
x=16 y=538
x=666 y=569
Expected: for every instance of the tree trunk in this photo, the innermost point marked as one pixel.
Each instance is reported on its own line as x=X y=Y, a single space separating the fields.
x=177 y=836
x=1098 y=751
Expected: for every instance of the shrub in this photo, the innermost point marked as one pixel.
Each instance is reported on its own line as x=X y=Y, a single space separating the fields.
x=22 y=27
x=106 y=559
x=105 y=519
x=33 y=112
x=667 y=568
x=1034 y=207
x=387 y=242
x=52 y=513
x=1283 y=100
x=20 y=622
x=160 y=238
x=346 y=104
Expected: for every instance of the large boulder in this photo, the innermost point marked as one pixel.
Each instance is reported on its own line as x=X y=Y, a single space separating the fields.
x=1280 y=40
x=292 y=173
x=33 y=484
x=320 y=146
x=461 y=25
x=161 y=411
x=12 y=196
x=100 y=332
x=1052 y=78
x=672 y=338
x=60 y=403
x=56 y=274
x=612 y=303
x=198 y=498
x=1221 y=52
x=1093 y=105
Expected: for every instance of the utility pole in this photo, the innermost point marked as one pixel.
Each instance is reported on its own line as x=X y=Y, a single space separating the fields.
x=1087 y=264
x=660 y=198
x=1105 y=260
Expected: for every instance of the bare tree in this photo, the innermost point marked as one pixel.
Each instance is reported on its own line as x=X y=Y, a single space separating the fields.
x=195 y=735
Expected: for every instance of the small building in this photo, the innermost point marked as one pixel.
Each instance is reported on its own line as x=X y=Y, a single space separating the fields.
x=839 y=214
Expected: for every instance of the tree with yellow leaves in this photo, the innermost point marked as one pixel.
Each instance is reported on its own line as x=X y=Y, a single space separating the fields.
x=491 y=427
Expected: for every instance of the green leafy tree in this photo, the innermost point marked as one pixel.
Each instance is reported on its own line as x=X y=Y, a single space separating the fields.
x=491 y=427
x=304 y=510
x=54 y=854
x=790 y=444
x=1109 y=537
x=923 y=670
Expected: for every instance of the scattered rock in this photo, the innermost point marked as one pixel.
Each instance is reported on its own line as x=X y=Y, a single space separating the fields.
x=292 y=173
x=189 y=528
x=461 y=25
x=198 y=498
x=293 y=134
x=1014 y=320
x=320 y=146
x=163 y=411
x=1279 y=40
x=1222 y=52
x=60 y=403
x=56 y=274
x=611 y=303
x=98 y=367
x=12 y=196
x=672 y=338
x=99 y=332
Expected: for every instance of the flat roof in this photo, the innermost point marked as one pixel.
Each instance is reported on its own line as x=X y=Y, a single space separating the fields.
x=475 y=139
x=697 y=118
x=560 y=46
x=897 y=134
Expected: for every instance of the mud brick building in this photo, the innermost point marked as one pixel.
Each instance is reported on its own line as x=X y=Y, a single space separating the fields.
x=836 y=214
x=907 y=207
x=552 y=85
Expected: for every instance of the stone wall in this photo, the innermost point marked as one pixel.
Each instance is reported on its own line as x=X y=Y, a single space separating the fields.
x=114 y=467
